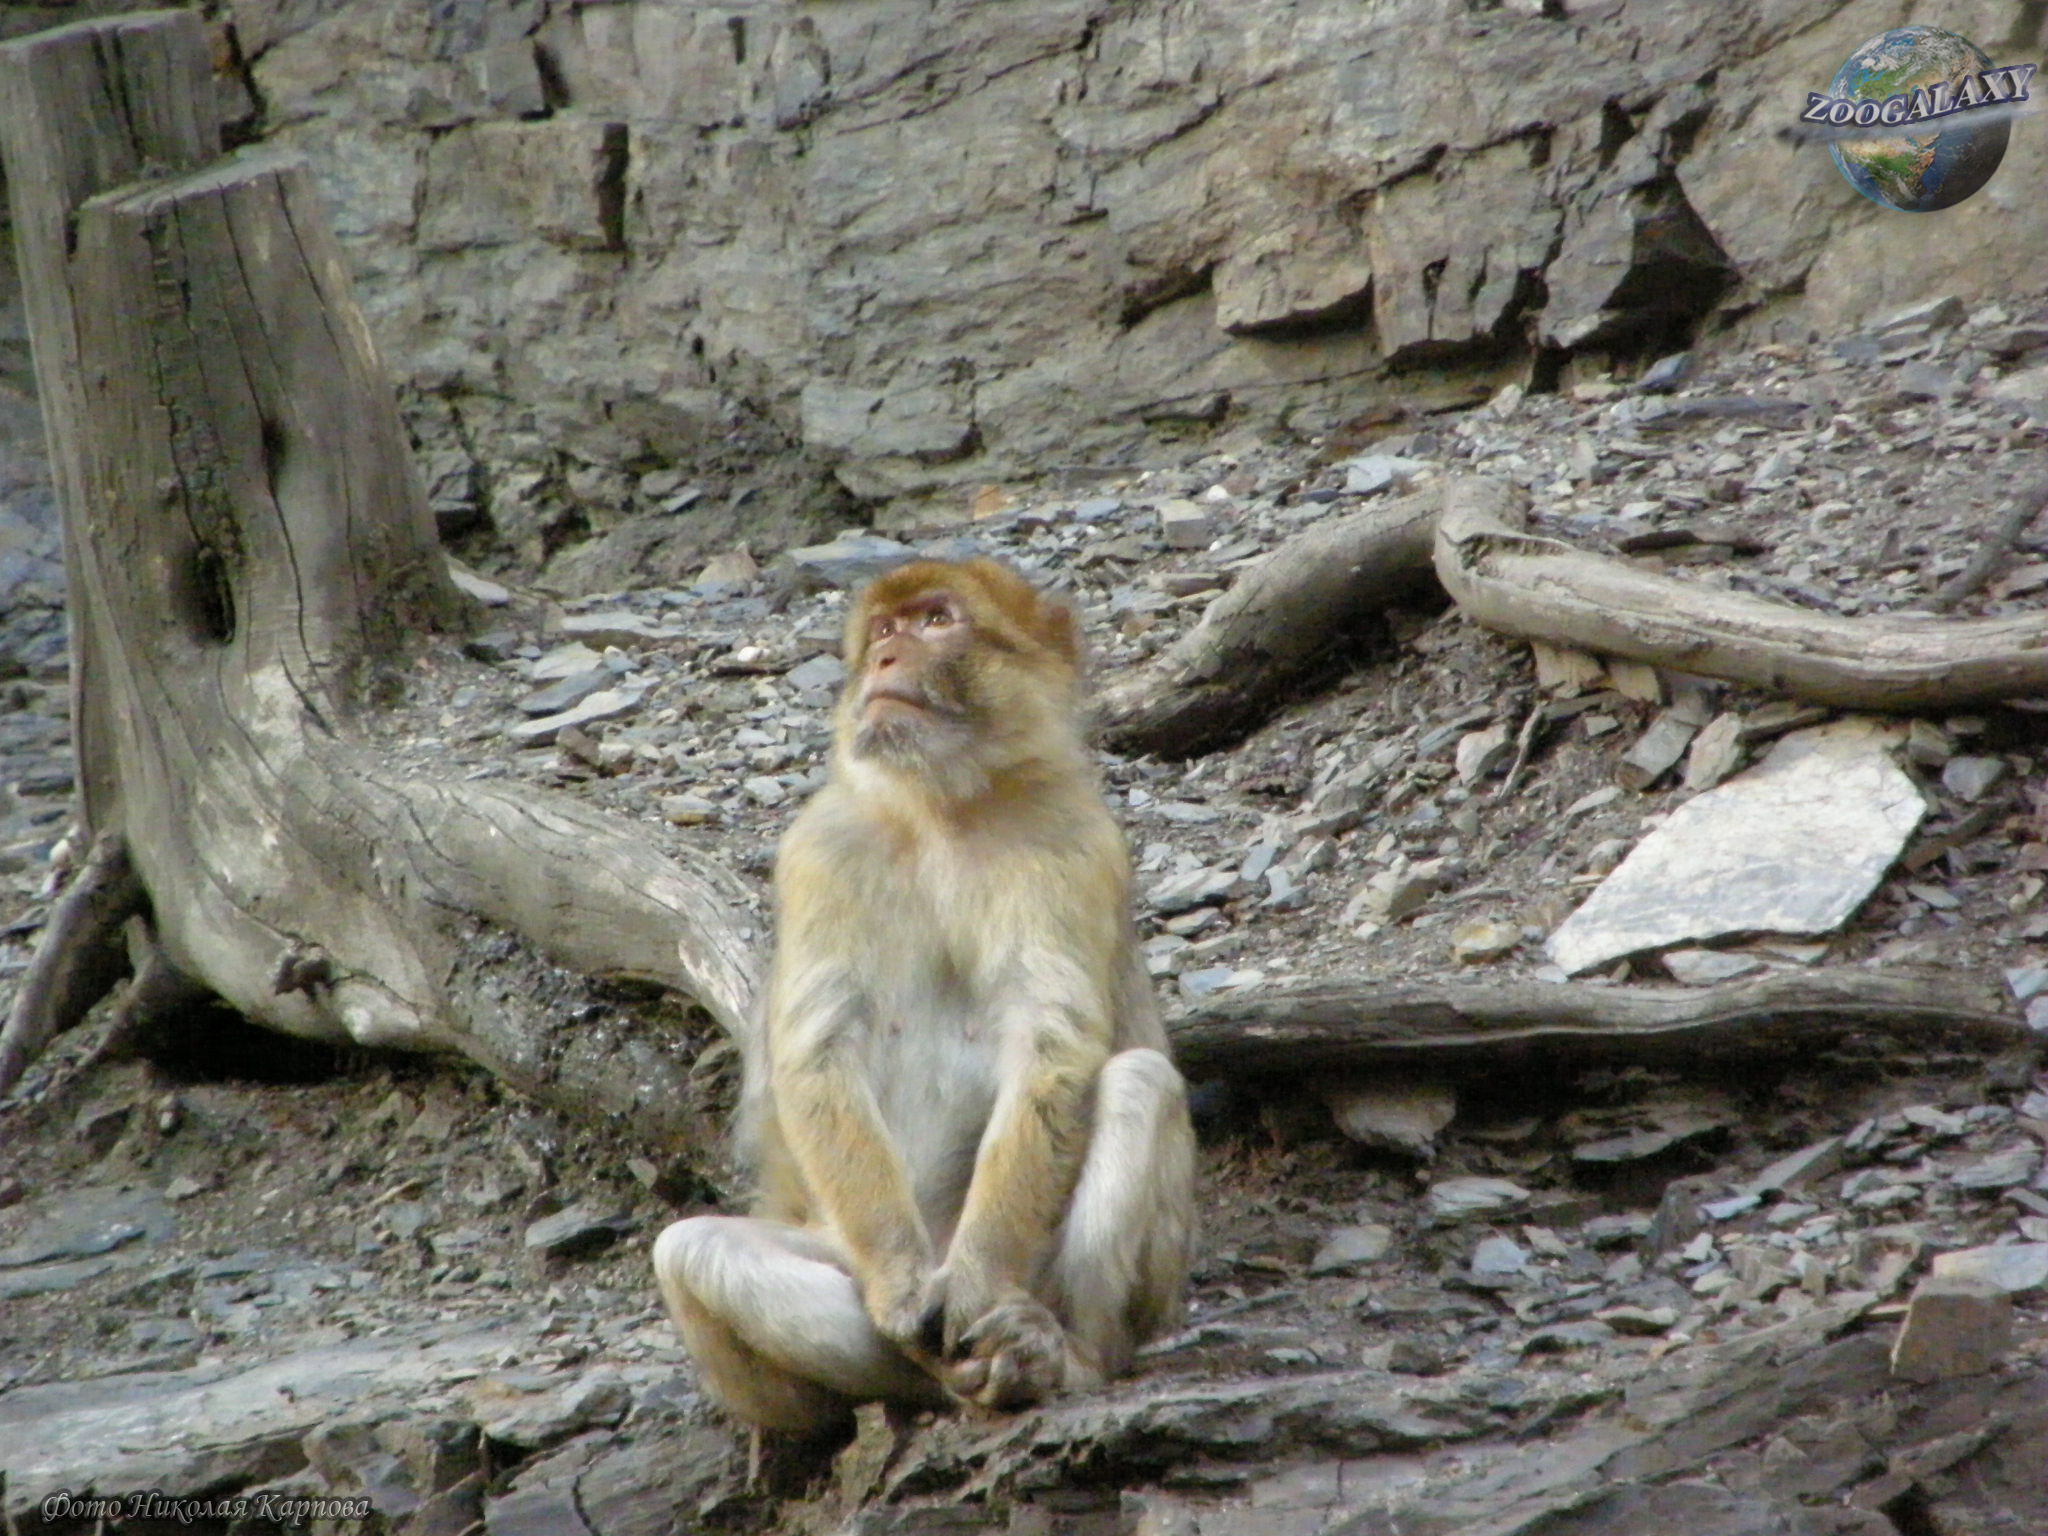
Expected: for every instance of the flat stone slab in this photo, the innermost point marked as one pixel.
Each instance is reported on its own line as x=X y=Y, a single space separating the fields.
x=1347 y=1248
x=1469 y=1195
x=566 y=693
x=1795 y=845
x=818 y=672
x=2014 y=1268
x=607 y=704
x=849 y=561
x=564 y=661
x=1370 y=473
x=43 y=1279
x=482 y=588
x=617 y=628
x=1402 y=1115
x=537 y=1417
x=1955 y=1326
x=85 y=1223
x=188 y=1431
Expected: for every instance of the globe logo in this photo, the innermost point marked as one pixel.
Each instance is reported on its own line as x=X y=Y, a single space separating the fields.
x=1941 y=113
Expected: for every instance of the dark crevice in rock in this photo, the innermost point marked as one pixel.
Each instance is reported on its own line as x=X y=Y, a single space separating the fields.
x=615 y=156
x=554 y=88
x=1684 y=129
x=1680 y=271
x=1910 y=1515
x=213 y=596
x=1351 y=313
x=206 y=1042
x=1157 y=289
x=1423 y=165
x=1617 y=127
x=571 y=526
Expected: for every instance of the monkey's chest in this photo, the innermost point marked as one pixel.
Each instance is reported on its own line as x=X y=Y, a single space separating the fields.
x=934 y=980
x=933 y=1063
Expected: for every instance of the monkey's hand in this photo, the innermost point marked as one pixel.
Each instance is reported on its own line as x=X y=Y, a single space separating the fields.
x=1013 y=1357
x=904 y=1301
x=999 y=1346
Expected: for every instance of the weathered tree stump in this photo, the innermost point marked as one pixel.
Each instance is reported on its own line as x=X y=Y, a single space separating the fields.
x=250 y=561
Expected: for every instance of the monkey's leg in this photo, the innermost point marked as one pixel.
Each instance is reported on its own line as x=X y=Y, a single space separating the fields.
x=1120 y=1272
x=772 y=1317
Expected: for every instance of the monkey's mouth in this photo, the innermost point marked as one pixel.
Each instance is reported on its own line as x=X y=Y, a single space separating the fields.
x=876 y=696
x=923 y=703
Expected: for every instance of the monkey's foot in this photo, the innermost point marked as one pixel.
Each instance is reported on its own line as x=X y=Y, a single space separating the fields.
x=1014 y=1357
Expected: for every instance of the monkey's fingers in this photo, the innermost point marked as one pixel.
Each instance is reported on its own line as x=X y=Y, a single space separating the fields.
x=1005 y=1322
x=1015 y=1356
x=1019 y=1381
x=966 y=1378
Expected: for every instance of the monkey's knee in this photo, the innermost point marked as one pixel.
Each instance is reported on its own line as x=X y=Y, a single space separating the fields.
x=686 y=1263
x=694 y=1263
x=1140 y=1084
x=1123 y=1255
x=682 y=1254
x=1144 y=1070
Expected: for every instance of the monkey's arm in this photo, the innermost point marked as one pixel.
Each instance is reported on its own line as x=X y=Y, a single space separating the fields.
x=1055 y=1038
x=834 y=1132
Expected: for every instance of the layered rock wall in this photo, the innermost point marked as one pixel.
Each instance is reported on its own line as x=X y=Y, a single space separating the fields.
x=623 y=253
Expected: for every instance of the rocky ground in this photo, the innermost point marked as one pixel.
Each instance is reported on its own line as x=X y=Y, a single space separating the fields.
x=1612 y=1301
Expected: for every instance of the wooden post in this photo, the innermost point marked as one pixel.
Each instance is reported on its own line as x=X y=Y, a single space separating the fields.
x=84 y=108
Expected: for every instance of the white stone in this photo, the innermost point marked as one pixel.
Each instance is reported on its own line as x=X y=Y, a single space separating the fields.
x=2013 y=1268
x=1370 y=473
x=1186 y=525
x=1473 y=1195
x=617 y=628
x=1795 y=845
x=482 y=588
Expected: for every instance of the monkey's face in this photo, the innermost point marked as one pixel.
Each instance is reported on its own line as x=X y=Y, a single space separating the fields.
x=913 y=698
x=957 y=675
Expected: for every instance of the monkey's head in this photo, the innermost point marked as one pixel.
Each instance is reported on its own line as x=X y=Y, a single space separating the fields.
x=957 y=672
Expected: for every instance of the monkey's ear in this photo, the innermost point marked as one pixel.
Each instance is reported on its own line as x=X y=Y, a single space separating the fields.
x=1058 y=632
x=854 y=647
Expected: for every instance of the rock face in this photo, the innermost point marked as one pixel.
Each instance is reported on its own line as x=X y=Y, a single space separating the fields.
x=910 y=247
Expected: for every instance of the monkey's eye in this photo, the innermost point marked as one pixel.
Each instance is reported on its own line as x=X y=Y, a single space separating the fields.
x=937 y=618
x=884 y=628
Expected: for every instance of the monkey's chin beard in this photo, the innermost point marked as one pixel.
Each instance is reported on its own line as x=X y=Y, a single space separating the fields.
x=933 y=747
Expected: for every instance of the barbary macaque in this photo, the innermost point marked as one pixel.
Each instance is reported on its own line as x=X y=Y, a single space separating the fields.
x=974 y=1158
